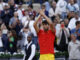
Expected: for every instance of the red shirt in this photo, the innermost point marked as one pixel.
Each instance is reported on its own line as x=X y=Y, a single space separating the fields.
x=46 y=41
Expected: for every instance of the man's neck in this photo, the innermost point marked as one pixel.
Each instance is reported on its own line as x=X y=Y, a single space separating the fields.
x=45 y=30
x=29 y=42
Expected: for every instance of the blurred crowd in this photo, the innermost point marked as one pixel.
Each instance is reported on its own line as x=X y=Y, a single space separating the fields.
x=16 y=22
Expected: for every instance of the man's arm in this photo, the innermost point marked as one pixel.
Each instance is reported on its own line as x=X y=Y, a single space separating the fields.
x=49 y=21
x=35 y=24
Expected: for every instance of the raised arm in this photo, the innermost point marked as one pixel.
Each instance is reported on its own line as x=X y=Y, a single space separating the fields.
x=35 y=24
x=49 y=21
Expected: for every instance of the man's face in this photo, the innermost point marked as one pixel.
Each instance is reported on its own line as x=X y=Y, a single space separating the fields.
x=11 y=2
x=66 y=21
x=76 y=16
x=29 y=8
x=72 y=2
x=26 y=12
x=15 y=14
x=54 y=4
x=79 y=25
x=45 y=27
x=29 y=38
x=73 y=37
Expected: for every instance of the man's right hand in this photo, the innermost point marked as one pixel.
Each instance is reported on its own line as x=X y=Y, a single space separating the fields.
x=42 y=12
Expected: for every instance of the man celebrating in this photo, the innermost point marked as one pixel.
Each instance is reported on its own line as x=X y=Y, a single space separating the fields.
x=46 y=37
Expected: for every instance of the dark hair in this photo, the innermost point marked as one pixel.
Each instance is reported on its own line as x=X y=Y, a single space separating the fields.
x=44 y=22
x=43 y=5
x=31 y=6
x=75 y=1
x=61 y=21
x=77 y=22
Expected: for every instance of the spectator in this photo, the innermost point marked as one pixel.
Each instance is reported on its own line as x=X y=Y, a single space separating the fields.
x=54 y=10
x=72 y=6
x=26 y=17
x=57 y=21
x=47 y=4
x=62 y=35
x=12 y=5
x=12 y=42
x=4 y=29
x=31 y=11
x=13 y=20
x=74 y=48
x=76 y=5
x=19 y=11
x=76 y=30
x=71 y=15
x=24 y=33
x=73 y=21
x=46 y=37
x=18 y=27
x=30 y=49
x=62 y=5
x=2 y=4
x=1 y=42
x=4 y=36
x=6 y=14
x=78 y=1
x=66 y=22
x=31 y=22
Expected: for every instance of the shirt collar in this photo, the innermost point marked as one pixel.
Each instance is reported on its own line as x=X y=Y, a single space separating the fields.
x=29 y=44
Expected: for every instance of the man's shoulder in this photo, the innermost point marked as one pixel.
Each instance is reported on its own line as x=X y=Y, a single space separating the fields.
x=33 y=45
x=72 y=19
x=77 y=41
x=70 y=43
